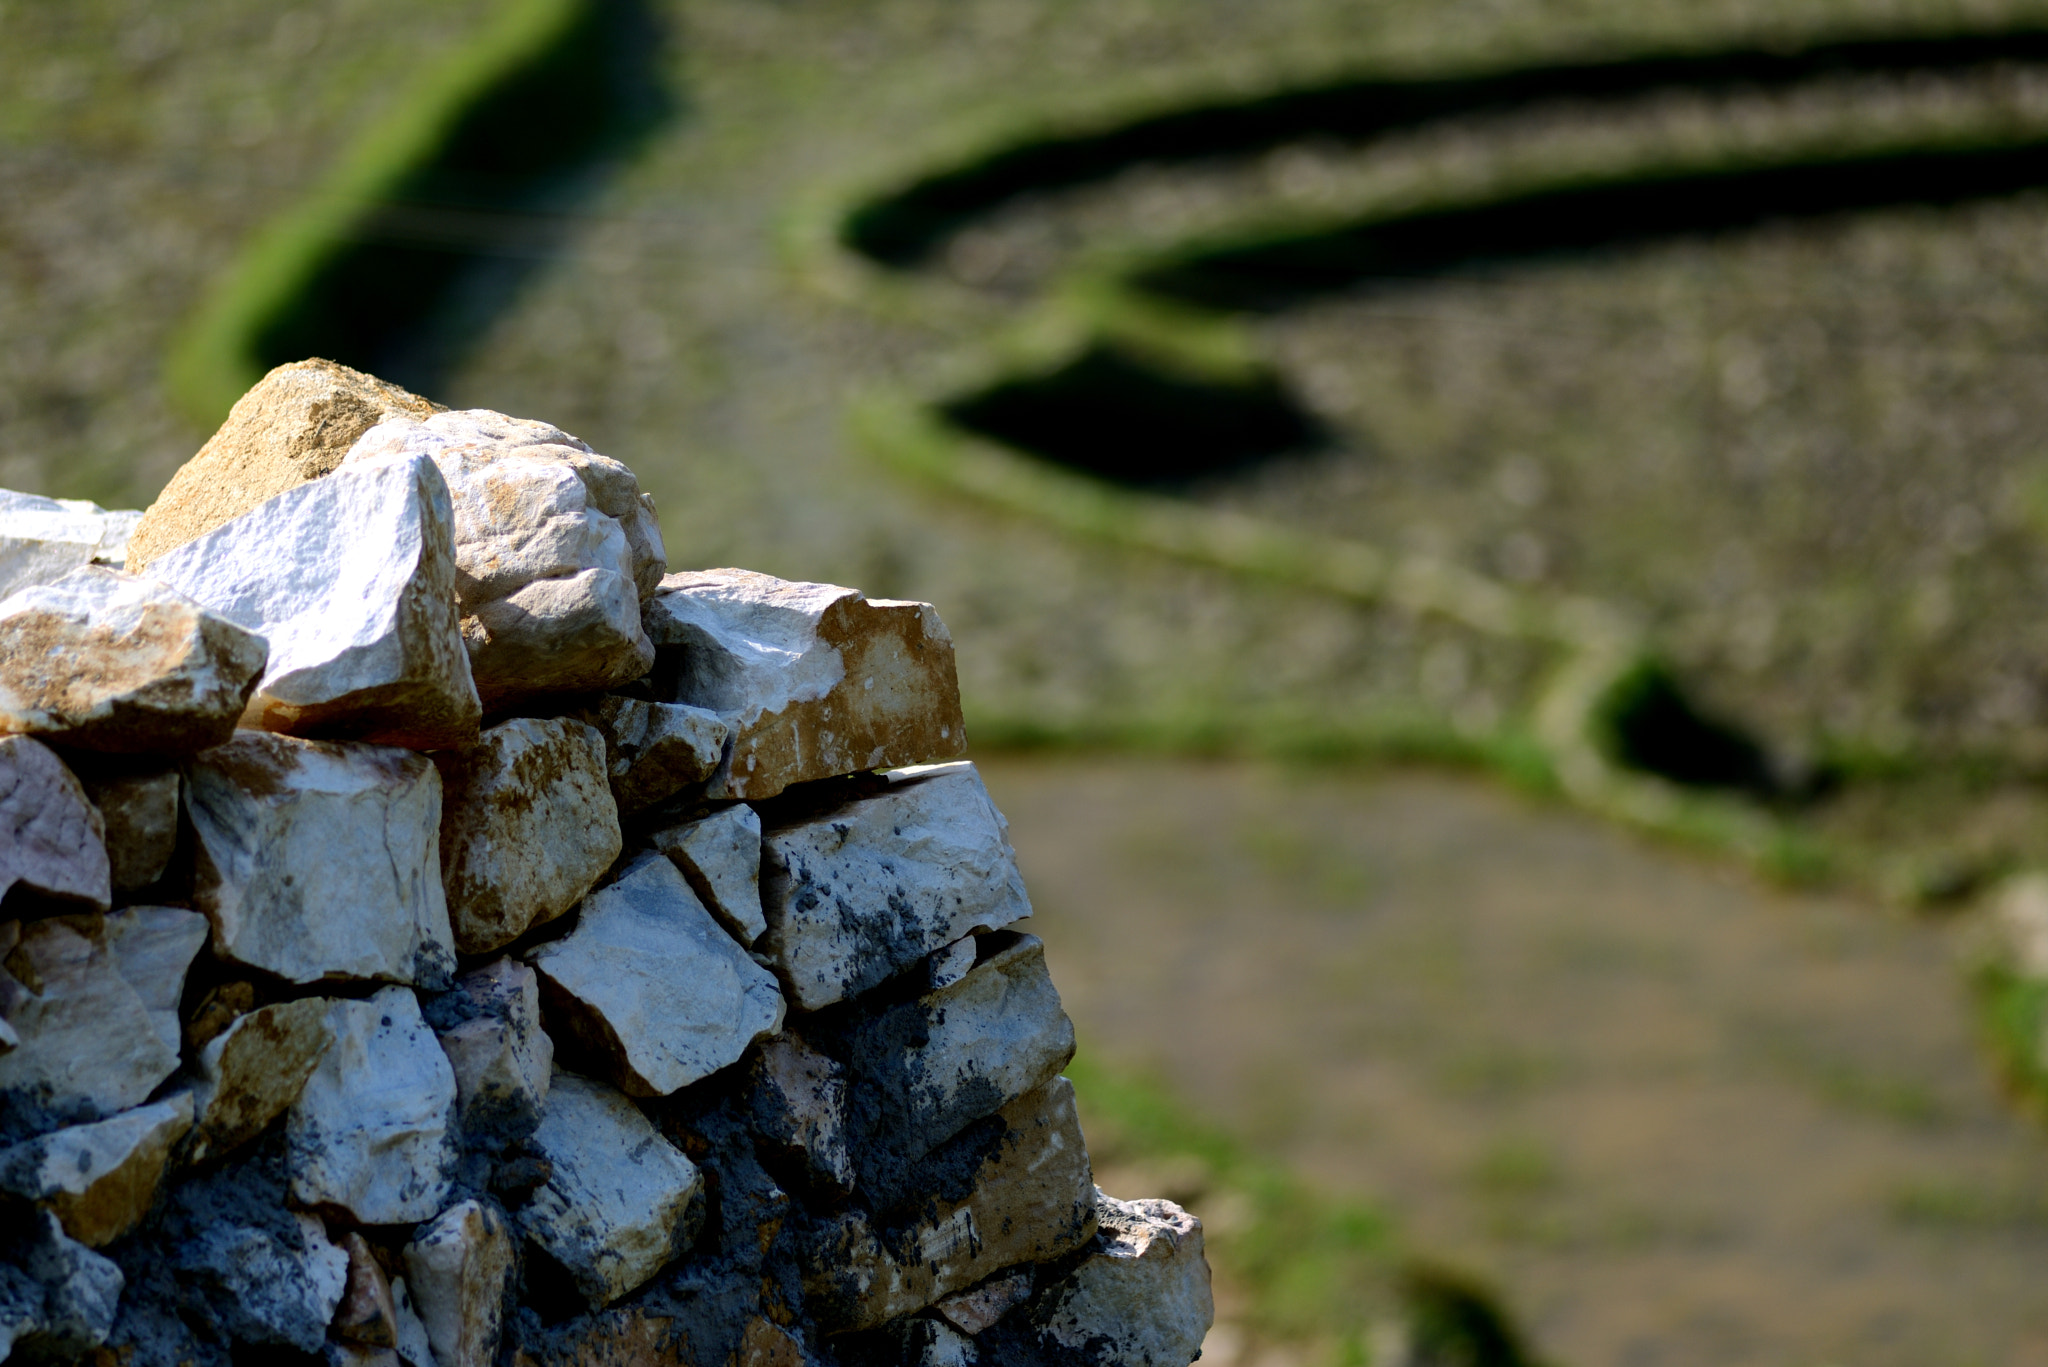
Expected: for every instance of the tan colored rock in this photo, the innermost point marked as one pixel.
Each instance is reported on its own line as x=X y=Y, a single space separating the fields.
x=556 y=546
x=457 y=1267
x=98 y=1179
x=815 y=679
x=974 y=1310
x=153 y=949
x=1032 y=1200
x=502 y=1058
x=141 y=815
x=367 y=1314
x=654 y=750
x=251 y=1073
x=720 y=856
x=295 y=425
x=52 y=839
x=352 y=581
x=799 y=1106
x=102 y=660
x=528 y=825
x=88 y=1046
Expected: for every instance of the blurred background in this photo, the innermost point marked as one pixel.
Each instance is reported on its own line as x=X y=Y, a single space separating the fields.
x=1494 y=547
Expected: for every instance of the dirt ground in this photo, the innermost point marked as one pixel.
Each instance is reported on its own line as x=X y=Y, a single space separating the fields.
x=1673 y=1117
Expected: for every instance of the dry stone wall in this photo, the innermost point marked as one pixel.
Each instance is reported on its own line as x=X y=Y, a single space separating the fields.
x=435 y=934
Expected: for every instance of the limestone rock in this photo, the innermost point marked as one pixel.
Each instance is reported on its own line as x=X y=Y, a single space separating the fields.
x=947 y=966
x=44 y=539
x=52 y=840
x=501 y=1057
x=800 y=1107
x=102 y=660
x=923 y=1069
x=249 y=1074
x=815 y=679
x=276 y=1280
x=153 y=949
x=556 y=547
x=652 y=984
x=415 y=1349
x=974 y=1310
x=371 y=1130
x=613 y=1211
x=318 y=860
x=1140 y=1299
x=1031 y=1199
x=66 y=1306
x=352 y=581
x=720 y=855
x=141 y=816
x=527 y=826
x=88 y=1047
x=295 y=425
x=654 y=750
x=857 y=893
x=367 y=1314
x=98 y=1179
x=457 y=1268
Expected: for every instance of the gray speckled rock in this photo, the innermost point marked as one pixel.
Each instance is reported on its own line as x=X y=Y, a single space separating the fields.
x=319 y=860
x=277 y=1283
x=652 y=984
x=98 y=1179
x=44 y=539
x=153 y=949
x=815 y=679
x=654 y=750
x=612 y=1212
x=102 y=660
x=246 y=1076
x=373 y=1129
x=799 y=1106
x=1140 y=1299
x=141 y=815
x=501 y=1056
x=858 y=893
x=52 y=839
x=556 y=546
x=351 y=579
x=720 y=855
x=457 y=1268
x=75 y=1290
x=527 y=826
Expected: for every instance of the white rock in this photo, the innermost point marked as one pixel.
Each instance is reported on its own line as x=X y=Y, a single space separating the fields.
x=457 y=1268
x=277 y=1286
x=372 y=1130
x=415 y=1349
x=141 y=816
x=654 y=750
x=102 y=660
x=501 y=1057
x=44 y=539
x=319 y=860
x=88 y=1046
x=351 y=579
x=975 y=1310
x=527 y=826
x=949 y=965
x=57 y=840
x=650 y=982
x=856 y=894
x=799 y=1105
x=246 y=1076
x=612 y=1211
x=556 y=547
x=98 y=1179
x=720 y=855
x=1140 y=1299
x=80 y=1292
x=815 y=679
x=153 y=949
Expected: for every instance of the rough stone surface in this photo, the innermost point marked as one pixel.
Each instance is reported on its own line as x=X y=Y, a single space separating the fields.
x=153 y=949
x=102 y=660
x=974 y=1310
x=352 y=580
x=88 y=1046
x=70 y=1296
x=44 y=539
x=295 y=425
x=816 y=680
x=52 y=839
x=613 y=1211
x=654 y=750
x=457 y=1268
x=274 y=1280
x=415 y=1348
x=800 y=1107
x=857 y=893
x=501 y=1057
x=318 y=860
x=249 y=1074
x=649 y=982
x=367 y=1314
x=141 y=816
x=371 y=1131
x=1014 y=1189
x=720 y=855
x=556 y=546
x=98 y=1179
x=1139 y=1299
x=949 y=965
x=527 y=826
